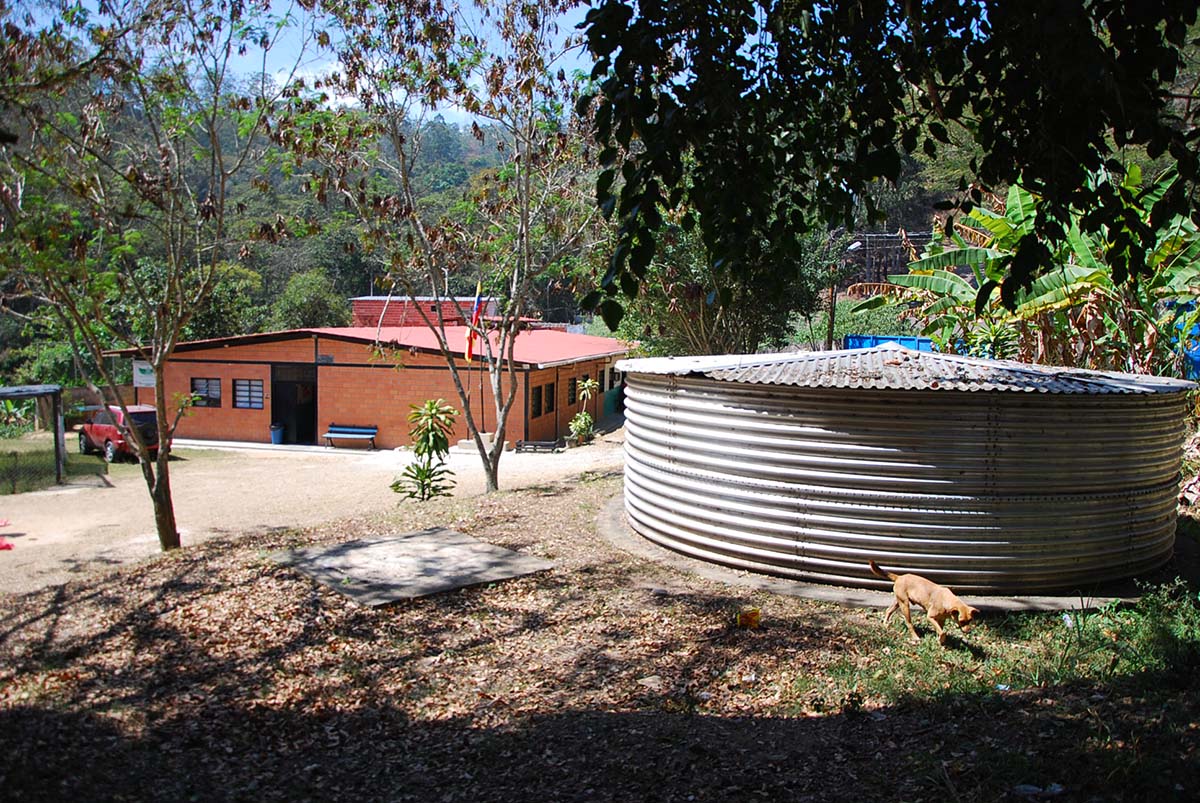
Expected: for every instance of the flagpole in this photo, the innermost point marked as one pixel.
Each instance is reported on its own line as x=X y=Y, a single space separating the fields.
x=472 y=327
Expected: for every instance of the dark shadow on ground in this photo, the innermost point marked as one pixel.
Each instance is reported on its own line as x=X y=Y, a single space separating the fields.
x=181 y=724
x=1095 y=746
x=270 y=702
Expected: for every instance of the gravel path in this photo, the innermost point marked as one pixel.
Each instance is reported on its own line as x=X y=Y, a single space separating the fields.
x=59 y=534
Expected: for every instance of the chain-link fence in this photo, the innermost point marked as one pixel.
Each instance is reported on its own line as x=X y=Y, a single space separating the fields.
x=27 y=464
x=29 y=415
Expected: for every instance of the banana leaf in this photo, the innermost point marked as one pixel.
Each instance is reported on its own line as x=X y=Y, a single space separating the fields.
x=1133 y=178
x=1020 y=208
x=938 y=282
x=1181 y=278
x=1083 y=248
x=956 y=238
x=1154 y=193
x=878 y=302
x=1062 y=288
x=944 y=326
x=945 y=305
x=999 y=227
x=955 y=257
x=1178 y=244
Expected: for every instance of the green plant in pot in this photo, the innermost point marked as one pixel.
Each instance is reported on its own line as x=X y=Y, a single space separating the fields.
x=581 y=426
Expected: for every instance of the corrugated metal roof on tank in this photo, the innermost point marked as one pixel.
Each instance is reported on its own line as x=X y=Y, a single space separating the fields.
x=891 y=366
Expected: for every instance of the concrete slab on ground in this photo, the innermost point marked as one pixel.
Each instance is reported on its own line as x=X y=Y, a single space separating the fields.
x=384 y=570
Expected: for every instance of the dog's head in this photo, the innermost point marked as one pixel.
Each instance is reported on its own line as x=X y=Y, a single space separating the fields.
x=964 y=615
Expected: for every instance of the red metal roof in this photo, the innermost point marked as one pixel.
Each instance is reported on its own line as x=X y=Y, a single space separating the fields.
x=533 y=346
x=540 y=347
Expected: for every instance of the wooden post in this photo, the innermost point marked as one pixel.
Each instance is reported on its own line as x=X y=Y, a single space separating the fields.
x=832 y=307
x=60 y=441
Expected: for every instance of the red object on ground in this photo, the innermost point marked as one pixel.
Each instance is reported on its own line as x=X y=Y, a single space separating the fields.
x=5 y=544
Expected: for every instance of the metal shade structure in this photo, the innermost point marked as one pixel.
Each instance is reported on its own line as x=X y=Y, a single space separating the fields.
x=21 y=392
x=981 y=475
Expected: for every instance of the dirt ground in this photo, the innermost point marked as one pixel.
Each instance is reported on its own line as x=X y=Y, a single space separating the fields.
x=217 y=674
x=63 y=533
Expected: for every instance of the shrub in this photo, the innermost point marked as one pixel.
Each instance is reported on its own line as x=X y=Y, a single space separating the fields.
x=427 y=476
x=581 y=426
x=16 y=418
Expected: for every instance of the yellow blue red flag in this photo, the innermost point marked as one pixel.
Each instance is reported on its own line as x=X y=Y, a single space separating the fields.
x=475 y=315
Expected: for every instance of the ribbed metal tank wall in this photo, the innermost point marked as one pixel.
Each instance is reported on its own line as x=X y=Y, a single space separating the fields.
x=987 y=490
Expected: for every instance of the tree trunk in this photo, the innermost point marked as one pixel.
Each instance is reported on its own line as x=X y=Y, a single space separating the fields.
x=157 y=473
x=491 y=459
x=164 y=510
x=491 y=472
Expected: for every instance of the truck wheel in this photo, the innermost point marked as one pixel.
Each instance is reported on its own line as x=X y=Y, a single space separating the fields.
x=85 y=446
x=110 y=452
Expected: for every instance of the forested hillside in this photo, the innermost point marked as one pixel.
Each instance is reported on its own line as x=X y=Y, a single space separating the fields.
x=315 y=240
x=294 y=248
x=299 y=228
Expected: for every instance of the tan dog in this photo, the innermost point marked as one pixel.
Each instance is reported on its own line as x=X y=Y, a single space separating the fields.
x=939 y=602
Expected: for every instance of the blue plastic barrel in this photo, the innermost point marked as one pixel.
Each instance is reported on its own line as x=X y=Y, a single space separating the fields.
x=870 y=341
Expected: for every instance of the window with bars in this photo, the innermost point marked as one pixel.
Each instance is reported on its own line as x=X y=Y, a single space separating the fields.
x=248 y=394
x=572 y=390
x=548 y=397
x=535 y=402
x=206 y=392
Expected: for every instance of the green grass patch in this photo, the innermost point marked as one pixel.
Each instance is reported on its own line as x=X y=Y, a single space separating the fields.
x=202 y=454
x=27 y=464
x=1136 y=644
x=32 y=442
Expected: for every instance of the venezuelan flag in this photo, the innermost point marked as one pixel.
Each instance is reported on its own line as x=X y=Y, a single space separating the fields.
x=476 y=311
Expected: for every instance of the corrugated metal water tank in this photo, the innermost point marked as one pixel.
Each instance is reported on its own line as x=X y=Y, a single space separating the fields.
x=981 y=475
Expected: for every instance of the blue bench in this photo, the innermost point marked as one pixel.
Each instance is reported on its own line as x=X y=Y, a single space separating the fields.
x=350 y=432
x=537 y=446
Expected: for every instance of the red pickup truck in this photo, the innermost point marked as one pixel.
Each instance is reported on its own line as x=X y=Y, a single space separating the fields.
x=104 y=430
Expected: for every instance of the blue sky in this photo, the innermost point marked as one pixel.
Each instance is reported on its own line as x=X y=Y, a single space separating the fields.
x=292 y=54
x=308 y=61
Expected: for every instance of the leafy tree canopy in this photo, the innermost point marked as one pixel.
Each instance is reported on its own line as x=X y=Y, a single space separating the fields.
x=687 y=305
x=124 y=132
x=761 y=116
x=309 y=300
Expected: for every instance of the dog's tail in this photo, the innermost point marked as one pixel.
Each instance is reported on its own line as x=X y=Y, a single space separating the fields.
x=878 y=572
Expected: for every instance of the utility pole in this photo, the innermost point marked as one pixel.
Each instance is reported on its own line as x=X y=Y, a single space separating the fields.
x=834 y=276
x=833 y=283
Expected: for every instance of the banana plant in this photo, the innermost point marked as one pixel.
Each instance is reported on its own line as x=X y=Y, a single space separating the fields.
x=945 y=302
x=1073 y=313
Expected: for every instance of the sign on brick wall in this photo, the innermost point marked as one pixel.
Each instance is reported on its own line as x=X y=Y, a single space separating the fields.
x=143 y=374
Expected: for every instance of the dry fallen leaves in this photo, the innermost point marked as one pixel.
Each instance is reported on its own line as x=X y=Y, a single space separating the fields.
x=218 y=674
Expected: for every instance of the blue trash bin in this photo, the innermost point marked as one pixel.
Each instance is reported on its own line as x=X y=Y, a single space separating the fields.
x=277 y=433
